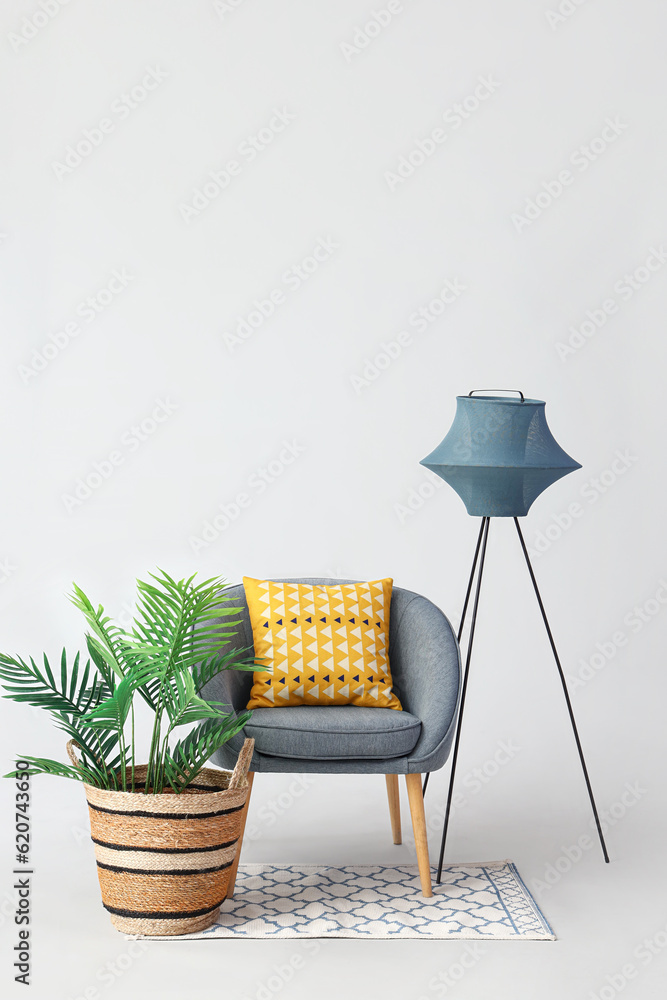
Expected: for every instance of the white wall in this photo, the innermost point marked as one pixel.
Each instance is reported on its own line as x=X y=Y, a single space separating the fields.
x=346 y=108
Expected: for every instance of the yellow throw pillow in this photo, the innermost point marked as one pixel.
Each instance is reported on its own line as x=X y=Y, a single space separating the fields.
x=321 y=645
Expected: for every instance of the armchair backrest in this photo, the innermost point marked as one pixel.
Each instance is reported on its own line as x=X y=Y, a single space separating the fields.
x=423 y=653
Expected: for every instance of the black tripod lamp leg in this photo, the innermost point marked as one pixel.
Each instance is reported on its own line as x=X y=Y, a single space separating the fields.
x=485 y=526
x=472 y=577
x=565 y=691
x=465 y=609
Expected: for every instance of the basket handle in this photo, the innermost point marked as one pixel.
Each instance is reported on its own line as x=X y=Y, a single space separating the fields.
x=71 y=754
x=242 y=764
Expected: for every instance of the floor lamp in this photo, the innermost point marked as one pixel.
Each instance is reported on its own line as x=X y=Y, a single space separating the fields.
x=499 y=455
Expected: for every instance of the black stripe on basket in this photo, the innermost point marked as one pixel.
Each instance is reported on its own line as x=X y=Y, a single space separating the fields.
x=198 y=788
x=158 y=915
x=153 y=815
x=164 y=850
x=163 y=871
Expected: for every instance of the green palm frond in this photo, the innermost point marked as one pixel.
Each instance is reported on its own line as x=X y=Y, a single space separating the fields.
x=185 y=625
x=107 y=634
x=111 y=714
x=184 y=619
x=234 y=659
x=184 y=706
x=25 y=682
x=43 y=765
x=128 y=652
x=99 y=748
x=186 y=760
x=68 y=697
x=179 y=641
x=97 y=655
x=141 y=657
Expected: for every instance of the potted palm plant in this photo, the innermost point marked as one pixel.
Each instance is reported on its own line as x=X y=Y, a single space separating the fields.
x=165 y=832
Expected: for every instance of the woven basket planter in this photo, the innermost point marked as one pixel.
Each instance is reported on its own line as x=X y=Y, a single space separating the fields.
x=164 y=861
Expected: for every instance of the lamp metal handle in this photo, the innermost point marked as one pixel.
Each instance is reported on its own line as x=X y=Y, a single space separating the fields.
x=498 y=390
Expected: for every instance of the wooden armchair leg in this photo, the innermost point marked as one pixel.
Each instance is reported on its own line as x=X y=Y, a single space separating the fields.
x=239 y=846
x=414 y=783
x=394 y=807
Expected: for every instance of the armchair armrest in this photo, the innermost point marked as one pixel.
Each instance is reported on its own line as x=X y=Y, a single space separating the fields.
x=232 y=687
x=426 y=669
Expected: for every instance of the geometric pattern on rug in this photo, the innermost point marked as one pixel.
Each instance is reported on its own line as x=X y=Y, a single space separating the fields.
x=482 y=901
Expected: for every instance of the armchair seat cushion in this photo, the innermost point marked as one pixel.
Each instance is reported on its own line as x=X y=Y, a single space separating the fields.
x=313 y=732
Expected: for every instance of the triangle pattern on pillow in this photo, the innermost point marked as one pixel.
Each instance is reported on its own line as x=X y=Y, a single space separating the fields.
x=322 y=635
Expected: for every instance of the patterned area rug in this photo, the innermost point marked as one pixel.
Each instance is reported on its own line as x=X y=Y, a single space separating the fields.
x=486 y=900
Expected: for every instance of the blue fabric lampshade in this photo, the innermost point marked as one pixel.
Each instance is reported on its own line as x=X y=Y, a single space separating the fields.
x=499 y=455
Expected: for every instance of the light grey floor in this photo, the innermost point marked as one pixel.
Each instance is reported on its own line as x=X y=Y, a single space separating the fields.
x=600 y=913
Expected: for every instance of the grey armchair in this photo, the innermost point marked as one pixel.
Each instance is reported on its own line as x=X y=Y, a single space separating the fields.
x=426 y=671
